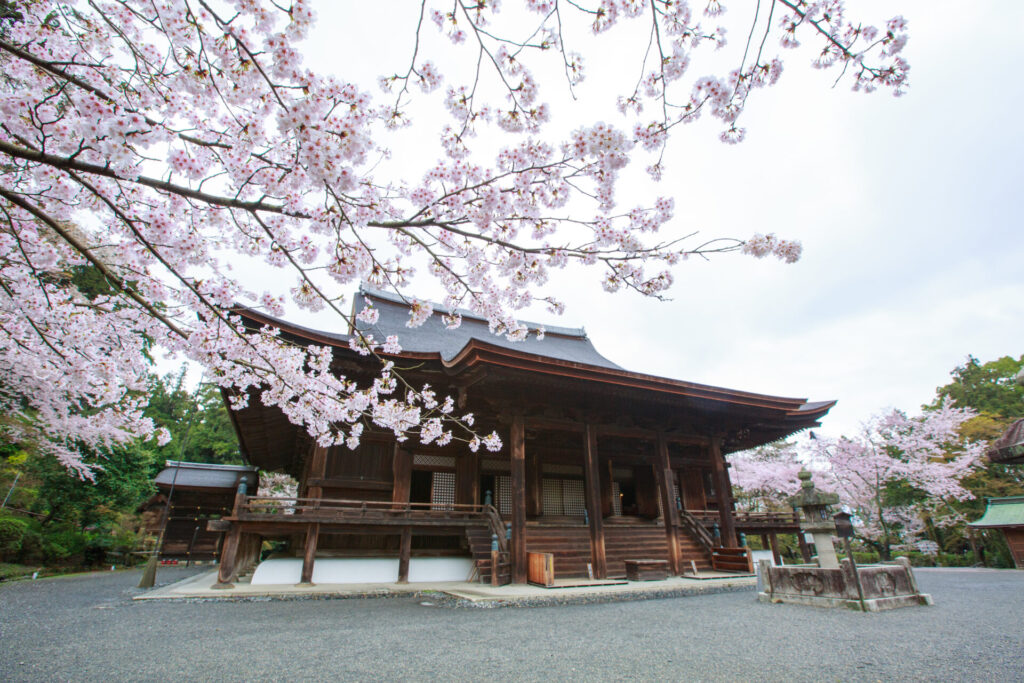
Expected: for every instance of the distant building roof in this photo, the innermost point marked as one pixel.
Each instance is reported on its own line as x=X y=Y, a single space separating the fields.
x=1002 y=512
x=1009 y=448
x=562 y=343
x=202 y=475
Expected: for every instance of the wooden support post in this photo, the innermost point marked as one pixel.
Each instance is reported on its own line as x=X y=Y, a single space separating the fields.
x=495 y=561
x=724 y=488
x=773 y=541
x=404 y=553
x=226 y=570
x=401 y=467
x=534 y=485
x=518 y=466
x=309 y=556
x=605 y=465
x=663 y=473
x=592 y=477
x=805 y=550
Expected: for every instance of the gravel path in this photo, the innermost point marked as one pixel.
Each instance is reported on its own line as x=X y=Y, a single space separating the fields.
x=86 y=628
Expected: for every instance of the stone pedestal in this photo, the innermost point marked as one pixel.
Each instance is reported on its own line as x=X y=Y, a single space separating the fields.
x=868 y=588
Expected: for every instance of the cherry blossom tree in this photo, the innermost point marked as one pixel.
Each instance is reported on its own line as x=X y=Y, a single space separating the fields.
x=157 y=142
x=765 y=477
x=900 y=470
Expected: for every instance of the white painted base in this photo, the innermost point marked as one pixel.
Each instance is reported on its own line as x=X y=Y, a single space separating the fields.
x=287 y=570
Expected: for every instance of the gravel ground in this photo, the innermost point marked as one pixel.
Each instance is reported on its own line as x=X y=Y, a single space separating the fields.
x=86 y=628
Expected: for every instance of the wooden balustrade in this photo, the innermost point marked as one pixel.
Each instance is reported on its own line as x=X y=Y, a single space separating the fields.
x=299 y=510
x=750 y=520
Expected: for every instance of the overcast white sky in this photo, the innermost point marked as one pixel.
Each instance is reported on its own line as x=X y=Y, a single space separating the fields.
x=908 y=210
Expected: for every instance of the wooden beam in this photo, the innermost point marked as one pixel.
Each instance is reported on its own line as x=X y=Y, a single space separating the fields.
x=401 y=466
x=404 y=553
x=663 y=473
x=312 y=536
x=592 y=477
x=724 y=489
x=518 y=467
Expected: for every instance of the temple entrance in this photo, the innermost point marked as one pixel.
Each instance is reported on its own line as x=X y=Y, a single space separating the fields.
x=627 y=499
x=420 y=486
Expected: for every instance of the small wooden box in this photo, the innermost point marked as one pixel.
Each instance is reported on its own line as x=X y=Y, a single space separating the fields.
x=646 y=570
x=540 y=569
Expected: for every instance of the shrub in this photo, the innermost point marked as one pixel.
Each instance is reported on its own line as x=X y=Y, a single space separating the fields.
x=64 y=546
x=12 y=531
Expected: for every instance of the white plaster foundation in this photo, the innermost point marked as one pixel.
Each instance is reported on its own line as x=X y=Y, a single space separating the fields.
x=288 y=570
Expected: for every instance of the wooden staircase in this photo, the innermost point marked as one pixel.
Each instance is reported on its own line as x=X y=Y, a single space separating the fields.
x=571 y=547
x=479 y=539
x=632 y=542
x=691 y=549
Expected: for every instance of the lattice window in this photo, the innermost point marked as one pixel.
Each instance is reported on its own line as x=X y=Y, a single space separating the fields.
x=434 y=460
x=573 y=498
x=563 y=497
x=442 y=491
x=622 y=473
x=616 y=499
x=504 y=494
x=552 y=497
x=563 y=469
x=494 y=465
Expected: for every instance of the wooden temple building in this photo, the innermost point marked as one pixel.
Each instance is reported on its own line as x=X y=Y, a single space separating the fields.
x=189 y=495
x=599 y=465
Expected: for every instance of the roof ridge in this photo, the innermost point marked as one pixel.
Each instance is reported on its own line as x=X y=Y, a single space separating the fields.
x=368 y=291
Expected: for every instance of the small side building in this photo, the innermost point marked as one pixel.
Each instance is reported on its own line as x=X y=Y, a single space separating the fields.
x=1006 y=514
x=198 y=492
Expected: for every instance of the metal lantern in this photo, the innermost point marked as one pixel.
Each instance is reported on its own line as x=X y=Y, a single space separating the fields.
x=844 y=524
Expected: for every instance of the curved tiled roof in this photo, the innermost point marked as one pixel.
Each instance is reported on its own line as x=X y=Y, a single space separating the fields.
x=562 y=343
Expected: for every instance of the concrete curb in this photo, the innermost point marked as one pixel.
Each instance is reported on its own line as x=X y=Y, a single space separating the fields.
x=459 y=598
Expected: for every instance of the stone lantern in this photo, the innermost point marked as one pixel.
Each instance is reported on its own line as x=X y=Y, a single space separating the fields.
x=816 y=519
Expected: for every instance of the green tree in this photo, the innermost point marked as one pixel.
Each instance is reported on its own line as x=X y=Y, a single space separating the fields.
x=990 y=389
x=200 y=427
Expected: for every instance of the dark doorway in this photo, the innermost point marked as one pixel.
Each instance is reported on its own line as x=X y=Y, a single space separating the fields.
x=419 y=486
x=627 y=498
x=486 y=484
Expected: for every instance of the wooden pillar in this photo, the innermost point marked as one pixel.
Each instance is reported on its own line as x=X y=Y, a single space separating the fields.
x=773 y=541
x=592 y=477
x=663 y=473
x=401 y=467
x=606 y=486
x=226 y=570
x=404 y=553
x=317 y=470
x=805 y=550
x=724 y=489
x=309 y=556
x=534 y=485
x=518 y=467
